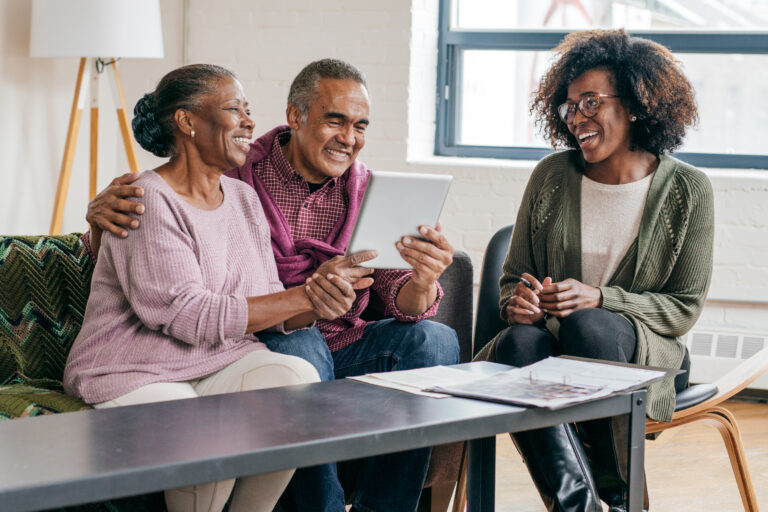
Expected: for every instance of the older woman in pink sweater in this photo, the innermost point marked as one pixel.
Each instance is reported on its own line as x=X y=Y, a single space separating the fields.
x=173 y=308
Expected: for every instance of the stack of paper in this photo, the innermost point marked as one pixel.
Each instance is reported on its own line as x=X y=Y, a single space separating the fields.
x=552 y=383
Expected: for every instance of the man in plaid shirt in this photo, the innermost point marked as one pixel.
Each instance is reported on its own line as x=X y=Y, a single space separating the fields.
x=310 y=183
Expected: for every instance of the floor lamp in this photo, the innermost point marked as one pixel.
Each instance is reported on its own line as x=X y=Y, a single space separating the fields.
x=99 y=32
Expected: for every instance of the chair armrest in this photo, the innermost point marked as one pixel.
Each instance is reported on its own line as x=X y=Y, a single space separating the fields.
x=742 y=376
x=456 y=306
x=732 y=382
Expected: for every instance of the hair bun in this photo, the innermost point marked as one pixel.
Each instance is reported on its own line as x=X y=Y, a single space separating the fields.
x=148 y=132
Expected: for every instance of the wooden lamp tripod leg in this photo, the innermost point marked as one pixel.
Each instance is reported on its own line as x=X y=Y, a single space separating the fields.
x=69 y=149
x=65 y=173
x=94 y=161
x=122 y=119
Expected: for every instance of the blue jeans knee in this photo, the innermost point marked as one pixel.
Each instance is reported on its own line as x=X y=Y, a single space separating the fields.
x=440 y=343
x=421 y=344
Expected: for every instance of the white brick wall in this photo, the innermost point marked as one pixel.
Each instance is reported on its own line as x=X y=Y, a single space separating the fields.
x=266 y=43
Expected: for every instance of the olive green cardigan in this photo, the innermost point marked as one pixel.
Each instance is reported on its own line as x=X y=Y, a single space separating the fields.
x=661 y=282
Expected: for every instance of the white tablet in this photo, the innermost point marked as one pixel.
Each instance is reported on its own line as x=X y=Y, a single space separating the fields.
x=396 y=204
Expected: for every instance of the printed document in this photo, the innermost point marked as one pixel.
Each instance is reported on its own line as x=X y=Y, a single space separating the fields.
x=555 y=382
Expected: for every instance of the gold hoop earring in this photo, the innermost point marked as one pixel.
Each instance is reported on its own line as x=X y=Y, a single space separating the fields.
x=632 y=118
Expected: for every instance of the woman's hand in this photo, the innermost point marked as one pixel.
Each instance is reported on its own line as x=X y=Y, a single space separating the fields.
x=523 y=306
x=563 y=298
x=331 y=295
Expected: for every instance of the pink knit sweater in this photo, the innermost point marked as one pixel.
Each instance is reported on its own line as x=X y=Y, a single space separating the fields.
x=168 y=303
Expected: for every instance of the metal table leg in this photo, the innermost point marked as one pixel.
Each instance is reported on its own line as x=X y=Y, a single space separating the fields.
x=636 y=451
x=481 y=474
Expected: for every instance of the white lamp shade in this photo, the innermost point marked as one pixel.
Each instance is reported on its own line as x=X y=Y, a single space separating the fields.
x=96 y=28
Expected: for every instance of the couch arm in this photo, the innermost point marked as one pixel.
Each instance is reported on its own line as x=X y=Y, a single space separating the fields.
x=456 y=305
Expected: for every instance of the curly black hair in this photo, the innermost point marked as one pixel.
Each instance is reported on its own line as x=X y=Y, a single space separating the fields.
x=647 y=77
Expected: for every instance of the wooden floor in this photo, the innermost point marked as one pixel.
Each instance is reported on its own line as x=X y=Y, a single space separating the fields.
x=687 y=468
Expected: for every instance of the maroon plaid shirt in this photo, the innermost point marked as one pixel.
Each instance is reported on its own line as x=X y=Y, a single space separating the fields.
x=313 y=215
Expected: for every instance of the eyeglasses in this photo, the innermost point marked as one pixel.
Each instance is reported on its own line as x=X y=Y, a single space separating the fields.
x=588 y=105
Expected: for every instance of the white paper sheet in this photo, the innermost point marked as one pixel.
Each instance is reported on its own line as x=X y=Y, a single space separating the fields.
x=415 y=381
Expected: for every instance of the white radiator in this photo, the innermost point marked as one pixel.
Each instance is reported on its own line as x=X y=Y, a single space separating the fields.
x=716 y=352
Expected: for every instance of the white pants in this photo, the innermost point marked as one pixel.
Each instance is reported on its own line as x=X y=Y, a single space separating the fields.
x=258 y=370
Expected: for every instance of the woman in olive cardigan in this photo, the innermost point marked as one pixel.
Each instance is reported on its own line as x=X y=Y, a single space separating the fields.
x=611 y=254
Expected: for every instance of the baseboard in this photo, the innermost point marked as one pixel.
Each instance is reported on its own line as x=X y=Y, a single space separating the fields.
x=753 y=395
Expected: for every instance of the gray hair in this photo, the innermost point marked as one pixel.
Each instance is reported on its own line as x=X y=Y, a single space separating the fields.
x=304 y=87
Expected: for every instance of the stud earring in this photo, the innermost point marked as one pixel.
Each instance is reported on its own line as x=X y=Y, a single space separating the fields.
x=632 y=118
x=192 y=133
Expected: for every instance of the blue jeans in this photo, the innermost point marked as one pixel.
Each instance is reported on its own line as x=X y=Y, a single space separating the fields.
x=385 y=483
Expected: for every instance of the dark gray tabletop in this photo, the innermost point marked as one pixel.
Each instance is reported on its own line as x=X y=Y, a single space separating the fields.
x=95 y=455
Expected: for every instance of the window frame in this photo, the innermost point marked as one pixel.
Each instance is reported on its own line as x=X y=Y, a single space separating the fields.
x=448 y=95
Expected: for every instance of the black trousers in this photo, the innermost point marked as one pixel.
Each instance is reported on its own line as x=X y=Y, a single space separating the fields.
x=594 y=333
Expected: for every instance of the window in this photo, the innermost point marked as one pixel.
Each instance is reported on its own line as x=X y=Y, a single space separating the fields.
x=492 y=54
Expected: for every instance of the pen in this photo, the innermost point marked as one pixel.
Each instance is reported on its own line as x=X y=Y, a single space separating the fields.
x=529 y=285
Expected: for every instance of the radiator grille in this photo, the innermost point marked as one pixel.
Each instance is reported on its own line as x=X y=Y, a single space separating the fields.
x=701 y=343
x=727 y=346
x=751 y=346
x=715 y=352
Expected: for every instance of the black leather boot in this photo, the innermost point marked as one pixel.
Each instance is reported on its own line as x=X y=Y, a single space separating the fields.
x=559 y=468
x=605 y=443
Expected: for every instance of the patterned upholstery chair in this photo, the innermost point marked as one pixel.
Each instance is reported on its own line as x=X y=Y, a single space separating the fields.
x=44 y=286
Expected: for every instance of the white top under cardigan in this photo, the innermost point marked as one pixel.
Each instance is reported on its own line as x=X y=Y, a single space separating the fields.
x=610 y=222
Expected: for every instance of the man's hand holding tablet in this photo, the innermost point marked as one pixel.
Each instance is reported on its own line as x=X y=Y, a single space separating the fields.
x=429 y=256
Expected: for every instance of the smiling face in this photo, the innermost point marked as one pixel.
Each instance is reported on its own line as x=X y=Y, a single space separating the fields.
x=325 y=143
x=606 y=136
x=223 y=126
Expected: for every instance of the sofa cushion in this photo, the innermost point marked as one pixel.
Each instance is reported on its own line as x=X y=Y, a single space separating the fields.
x=44 y=286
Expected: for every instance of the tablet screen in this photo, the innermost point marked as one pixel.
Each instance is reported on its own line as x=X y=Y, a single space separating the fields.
x=395 y=204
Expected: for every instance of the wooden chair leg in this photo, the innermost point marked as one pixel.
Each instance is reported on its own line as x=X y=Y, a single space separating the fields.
x=460 y=498
x=442 y=493
x=726 y=424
